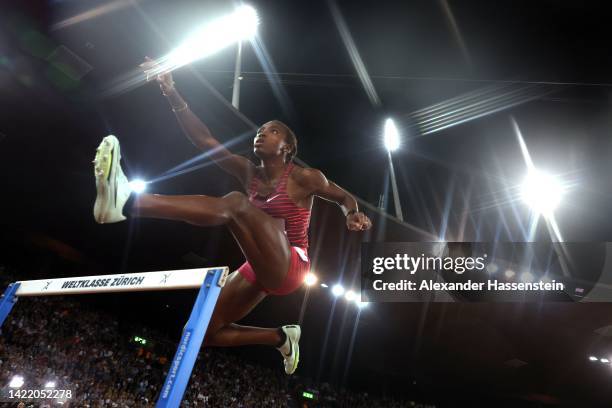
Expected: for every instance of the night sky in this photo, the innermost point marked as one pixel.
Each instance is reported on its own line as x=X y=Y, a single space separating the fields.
x=546 y=65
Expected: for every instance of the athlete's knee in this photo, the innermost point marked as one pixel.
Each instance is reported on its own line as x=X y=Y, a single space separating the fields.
x=210 y=339
x=237 y=203
x=211 y=336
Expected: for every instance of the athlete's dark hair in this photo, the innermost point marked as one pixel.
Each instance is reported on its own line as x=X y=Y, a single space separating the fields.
x=290 y=139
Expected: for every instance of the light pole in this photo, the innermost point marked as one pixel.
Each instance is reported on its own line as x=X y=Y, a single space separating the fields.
x=392 y=143
x=237 y=73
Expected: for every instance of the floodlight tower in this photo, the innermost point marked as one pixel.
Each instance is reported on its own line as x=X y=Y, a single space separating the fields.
x=392 y=143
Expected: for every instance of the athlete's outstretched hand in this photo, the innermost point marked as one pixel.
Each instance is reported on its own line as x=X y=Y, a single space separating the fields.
x=358 y=222
x=164 y=79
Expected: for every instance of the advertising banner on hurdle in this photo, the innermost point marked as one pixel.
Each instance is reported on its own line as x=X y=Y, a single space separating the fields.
x=145 y=281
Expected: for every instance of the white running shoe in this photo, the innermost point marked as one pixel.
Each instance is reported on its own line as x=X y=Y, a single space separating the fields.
x=291 y=349
x=112 y=185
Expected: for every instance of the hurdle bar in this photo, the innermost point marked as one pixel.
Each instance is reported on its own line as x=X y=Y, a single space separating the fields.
x=209 y=280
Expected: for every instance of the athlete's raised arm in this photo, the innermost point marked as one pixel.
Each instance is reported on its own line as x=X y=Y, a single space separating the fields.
x=315 y=182
x=199 y=134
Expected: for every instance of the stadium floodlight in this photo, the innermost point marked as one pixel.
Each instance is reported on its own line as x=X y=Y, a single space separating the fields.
x=542 y=192
x=492 y=268
x=50 y=384
x=324 y=285
x=338 y=290
x=138 y=186
x=509 y=273
x=361 y=304
x=391 y=136
x=593 y=358
x=16 y=381
x=209 y=39
x=604 y=360
x=350 y=295
x=310 y=279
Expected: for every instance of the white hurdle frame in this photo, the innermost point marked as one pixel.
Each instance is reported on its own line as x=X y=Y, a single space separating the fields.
x=209 y=280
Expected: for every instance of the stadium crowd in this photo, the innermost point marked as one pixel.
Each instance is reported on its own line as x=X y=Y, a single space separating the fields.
x=56 y=339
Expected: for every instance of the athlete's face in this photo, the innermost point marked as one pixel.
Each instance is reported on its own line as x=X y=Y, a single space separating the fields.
x=270 y=141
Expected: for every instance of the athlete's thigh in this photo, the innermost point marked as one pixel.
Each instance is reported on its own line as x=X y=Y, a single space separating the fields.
x=237 y=298
x=264 y=244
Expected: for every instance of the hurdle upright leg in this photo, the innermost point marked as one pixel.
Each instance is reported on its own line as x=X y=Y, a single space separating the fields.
x=7 y=301
x=186 y=354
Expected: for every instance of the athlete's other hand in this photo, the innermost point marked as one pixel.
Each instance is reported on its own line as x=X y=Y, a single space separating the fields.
x=358 y=222
x=164 y=79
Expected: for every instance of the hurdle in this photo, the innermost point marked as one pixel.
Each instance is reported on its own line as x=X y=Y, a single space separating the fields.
x=209 y=280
